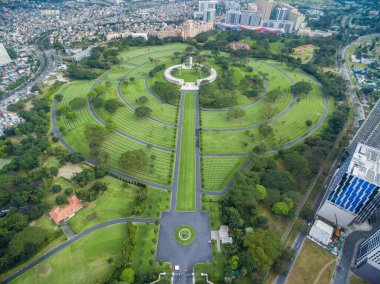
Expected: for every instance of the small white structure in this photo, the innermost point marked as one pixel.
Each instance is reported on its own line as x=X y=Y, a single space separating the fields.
x=321 y=233
x=188 y=86
x=223 y=235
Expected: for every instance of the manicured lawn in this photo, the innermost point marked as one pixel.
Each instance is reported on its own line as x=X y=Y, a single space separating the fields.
x=184 y=234
x=85 y=261
x=118 y=202
x=145 y=252
x=309 y=264
x=215 y=269
x=218 y=171
x=212 y=204
x=186 y=179
x=189 y=75
x=160 y=110
x=115 y=202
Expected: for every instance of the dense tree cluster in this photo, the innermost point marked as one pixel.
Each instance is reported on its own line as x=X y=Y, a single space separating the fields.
x=167 y=91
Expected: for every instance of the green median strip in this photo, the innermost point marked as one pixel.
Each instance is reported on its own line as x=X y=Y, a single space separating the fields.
x=186 y=178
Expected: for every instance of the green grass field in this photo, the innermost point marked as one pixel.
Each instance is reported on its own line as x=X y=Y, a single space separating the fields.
x=189 y=75
x=218 y=171
x=186 y=178
x=85 y=261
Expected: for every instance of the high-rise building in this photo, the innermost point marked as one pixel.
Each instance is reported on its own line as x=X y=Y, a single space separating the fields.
x=369 y=131
x=367 y=263
x=354 y=193
x=265 y=7
x=206 y=5
x=232 y=5
x=281 y=13
x=233 y=17
x=250 y=18
x=297 y=17
x=209 y=15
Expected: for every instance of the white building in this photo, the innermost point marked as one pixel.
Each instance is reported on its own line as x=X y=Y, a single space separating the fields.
x=321 y=233
x=4 y=57
x=206 y=5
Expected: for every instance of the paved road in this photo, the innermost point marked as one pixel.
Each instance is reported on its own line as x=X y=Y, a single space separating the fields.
x=72 y=240
x=359 y=111
x=346 y=258
x=45 y=67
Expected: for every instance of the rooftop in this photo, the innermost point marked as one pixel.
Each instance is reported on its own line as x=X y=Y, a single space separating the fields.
x=365 y=163
x=59 y=214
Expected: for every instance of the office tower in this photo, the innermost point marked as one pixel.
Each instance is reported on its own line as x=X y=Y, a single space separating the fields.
x=231 y=5
x=250 y=18
x=354 y=193
x=369 y=132
x=265 y=7
x=296 y=17
x=281 y=13
x=233 y=17
x=367 y=263
x=209 y=15
x=206 y=5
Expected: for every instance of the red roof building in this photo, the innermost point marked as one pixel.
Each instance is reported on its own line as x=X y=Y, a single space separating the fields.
x=236 y=46
x=60 y=214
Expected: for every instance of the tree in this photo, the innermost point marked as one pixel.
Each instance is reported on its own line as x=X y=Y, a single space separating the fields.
x=54 y=171
x=143 y=111
x=68 y=191
x=61 y=199
x=263 y=246
x=97 y=102
x=302 y=88
x=134 y=159
x=235 y=113
x=112 y=105
x=56 y=188
x=233 y=262
x=78 y=103
x=142 y=100
x=281 y=208
x=231 y=217
x=282 y=181
x=132 y=79
x=308 y=123
x=128 y=275
x=265 y=130
x=262 y=192
x=273 y=95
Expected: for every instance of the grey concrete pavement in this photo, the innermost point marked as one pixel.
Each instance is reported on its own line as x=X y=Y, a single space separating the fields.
x=184 y=256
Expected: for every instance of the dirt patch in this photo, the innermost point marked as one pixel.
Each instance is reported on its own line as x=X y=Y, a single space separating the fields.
x=28 y=105
x=32 y=224
x=44 y=270
x=91 y=217
x=324 y=268
x=69 y=170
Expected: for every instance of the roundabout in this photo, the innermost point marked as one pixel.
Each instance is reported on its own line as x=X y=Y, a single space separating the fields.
x=184 y=234
x=190 y=86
